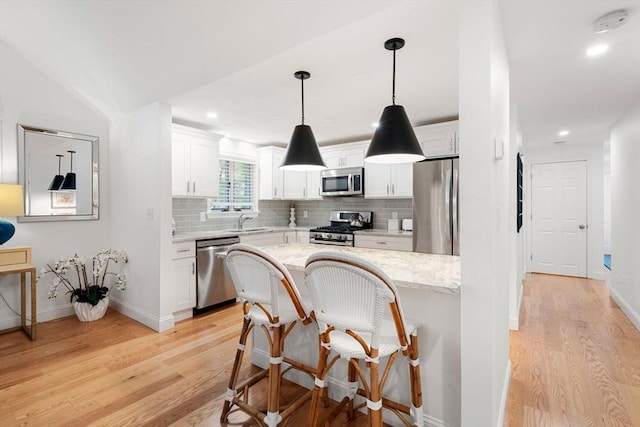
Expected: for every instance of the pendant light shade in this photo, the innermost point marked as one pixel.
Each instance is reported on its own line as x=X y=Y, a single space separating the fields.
x=69 y=183
x=394 y=140
x=57 y=180
x=302 y=153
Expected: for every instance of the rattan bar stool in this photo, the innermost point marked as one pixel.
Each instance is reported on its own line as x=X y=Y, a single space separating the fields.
x=258 y=279
x=350 y=298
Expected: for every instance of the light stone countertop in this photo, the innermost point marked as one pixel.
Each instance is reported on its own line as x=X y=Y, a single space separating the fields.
x=212 y=234
x=438 y=273
x=383 y=232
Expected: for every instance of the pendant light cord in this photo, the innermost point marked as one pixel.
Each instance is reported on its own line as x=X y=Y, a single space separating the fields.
x=393 y=88
x=302 y=89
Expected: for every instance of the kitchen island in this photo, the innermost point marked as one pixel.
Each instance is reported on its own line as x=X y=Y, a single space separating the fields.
x=429 y=287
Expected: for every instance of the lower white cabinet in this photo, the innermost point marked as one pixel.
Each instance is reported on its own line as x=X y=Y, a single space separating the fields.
x=302 y=236
x=184 y=279
x=263 y=239
x=394 y=243
x=290 y=237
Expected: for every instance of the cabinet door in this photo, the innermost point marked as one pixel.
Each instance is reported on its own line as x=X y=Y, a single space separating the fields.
x=263 y=239
x=333 y=159
x=180 y=185
x=402 y=180
x=377 y=180
x=438 y=140
x=314 y=185
x=290 y=236
x=353 y=157
x=271 y=177
x=205 y=167
x=302 y=236
x=184 y=283
x=278 y=175
x=294 y=185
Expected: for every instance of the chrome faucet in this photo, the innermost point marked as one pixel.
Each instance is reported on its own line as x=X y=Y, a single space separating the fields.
x=242 y=219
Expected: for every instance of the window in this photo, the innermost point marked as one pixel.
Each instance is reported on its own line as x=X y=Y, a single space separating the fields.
x=237 y=190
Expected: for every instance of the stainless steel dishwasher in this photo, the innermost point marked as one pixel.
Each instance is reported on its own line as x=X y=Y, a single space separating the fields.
x=213 y=281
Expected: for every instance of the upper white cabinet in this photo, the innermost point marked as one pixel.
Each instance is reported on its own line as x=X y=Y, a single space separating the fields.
x=383 y=181
x=345 y=155
x=301 y=185
x=439 y=139
x=271 y=177
x=195 y=163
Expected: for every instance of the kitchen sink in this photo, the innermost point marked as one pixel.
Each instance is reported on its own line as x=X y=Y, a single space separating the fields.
x=248 y=229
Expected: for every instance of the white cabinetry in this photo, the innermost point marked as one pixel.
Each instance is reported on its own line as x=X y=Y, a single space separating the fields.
x=302 y=236
x=263 y=239
x=301 y=185
x=195 y=163
x=439 y=140
x=395 y=243
x=345 y=155
x=271 y=177
x=382 y=181
x=183 y=279
x=290 y=237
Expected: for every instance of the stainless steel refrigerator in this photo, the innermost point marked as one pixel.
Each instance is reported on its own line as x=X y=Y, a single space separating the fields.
x=435 y=206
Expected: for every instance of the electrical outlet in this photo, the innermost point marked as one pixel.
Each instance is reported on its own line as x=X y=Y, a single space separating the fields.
x=150 y=214
x=203 y=216
x=305 y=214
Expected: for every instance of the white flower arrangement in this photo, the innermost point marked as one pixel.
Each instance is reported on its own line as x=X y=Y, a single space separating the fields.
x=84 y=290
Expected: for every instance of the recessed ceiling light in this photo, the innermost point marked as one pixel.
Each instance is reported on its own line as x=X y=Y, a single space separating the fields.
x=212 y=115
x=598 y=49
x=563 y=133
x=611 y=21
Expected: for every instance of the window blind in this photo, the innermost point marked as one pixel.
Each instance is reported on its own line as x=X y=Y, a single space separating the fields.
x=237 y=188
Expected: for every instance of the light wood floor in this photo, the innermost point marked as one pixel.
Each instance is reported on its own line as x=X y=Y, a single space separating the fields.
x=575 y=359
x=576 y=362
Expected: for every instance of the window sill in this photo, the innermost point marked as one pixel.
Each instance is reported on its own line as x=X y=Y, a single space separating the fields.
x=231 y=214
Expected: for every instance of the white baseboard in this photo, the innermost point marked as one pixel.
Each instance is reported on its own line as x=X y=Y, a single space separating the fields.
x=633 y=316
x=182 y=314
x=505 y=395
x=337 y=388
x=514 y=322
x=150 y=320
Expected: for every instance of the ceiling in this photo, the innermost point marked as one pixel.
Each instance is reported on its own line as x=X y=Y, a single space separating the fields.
x=237 y=59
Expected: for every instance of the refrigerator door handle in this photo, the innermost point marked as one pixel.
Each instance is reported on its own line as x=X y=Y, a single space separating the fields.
x=455 y=175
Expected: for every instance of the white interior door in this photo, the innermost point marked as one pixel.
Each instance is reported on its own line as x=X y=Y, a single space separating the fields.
x=559 y=218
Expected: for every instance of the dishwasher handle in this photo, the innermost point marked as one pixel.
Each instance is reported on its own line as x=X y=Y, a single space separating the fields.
x=223 y=241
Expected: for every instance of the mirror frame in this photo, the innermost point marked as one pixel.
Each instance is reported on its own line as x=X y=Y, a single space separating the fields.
x=22 y=173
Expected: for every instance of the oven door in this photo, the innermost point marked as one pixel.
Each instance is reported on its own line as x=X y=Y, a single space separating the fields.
x=342 y=182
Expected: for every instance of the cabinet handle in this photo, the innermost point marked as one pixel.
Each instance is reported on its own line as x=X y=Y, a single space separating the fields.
x=381 y=243
x=188 y=187
x=304 y=192
x=393 y=189
x=451 y=144
x=183 y=250
x=275 y=191
x=387 y=189
x=193 y=268
x=194 y=187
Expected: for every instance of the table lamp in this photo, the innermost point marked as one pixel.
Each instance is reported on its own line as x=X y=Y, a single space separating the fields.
x=11 y=204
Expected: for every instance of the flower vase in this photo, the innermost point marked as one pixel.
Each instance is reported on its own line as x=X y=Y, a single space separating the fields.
x=88 y=313
x=292 y=217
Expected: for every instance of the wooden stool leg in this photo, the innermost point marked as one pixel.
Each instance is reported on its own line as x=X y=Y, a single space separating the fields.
x=319 y=389
x=236 y=370
x=375 y=403
x=414 y=378
x=352 y=386
x=273 y=401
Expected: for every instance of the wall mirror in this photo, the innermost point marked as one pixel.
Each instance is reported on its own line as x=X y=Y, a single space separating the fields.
x=59 y=173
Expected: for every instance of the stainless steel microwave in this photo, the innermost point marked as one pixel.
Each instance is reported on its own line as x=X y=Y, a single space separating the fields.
x=342 y=182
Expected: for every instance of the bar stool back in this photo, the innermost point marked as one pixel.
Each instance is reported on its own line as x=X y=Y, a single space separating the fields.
x=350 y=297
x=259 y=280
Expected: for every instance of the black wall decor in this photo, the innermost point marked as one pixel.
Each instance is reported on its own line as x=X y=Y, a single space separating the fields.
x=519 y=192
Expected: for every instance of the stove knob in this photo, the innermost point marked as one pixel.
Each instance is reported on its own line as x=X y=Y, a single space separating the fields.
x=343 y=237
x=329 y=236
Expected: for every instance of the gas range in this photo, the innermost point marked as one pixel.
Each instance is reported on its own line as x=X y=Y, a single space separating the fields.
x=340 y=232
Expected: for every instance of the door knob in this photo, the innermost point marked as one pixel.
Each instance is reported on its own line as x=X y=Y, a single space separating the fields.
x=582 y=226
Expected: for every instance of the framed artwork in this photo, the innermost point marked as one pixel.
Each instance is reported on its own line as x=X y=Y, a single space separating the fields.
x=63 y=200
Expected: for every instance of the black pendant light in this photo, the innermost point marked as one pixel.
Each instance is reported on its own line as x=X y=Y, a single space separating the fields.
x=394 y=140
x=302 y=153
x=56 y=182
x=69 y=183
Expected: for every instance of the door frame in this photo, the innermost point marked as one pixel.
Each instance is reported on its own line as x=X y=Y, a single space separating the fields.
x=528 y=168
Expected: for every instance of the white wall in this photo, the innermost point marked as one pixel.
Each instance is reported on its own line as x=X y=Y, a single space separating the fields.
x=592 y=154
x=484 y=220
x=28 y=96
x=624 y=284
x=141 y=212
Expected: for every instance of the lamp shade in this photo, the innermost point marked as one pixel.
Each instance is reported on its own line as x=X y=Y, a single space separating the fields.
x=56 y=183
x=303 y=153
x=394 y=140
x=69 y=182
x=11 y=204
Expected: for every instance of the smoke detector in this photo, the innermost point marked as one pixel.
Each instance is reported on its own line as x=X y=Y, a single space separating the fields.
x=611 y=21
